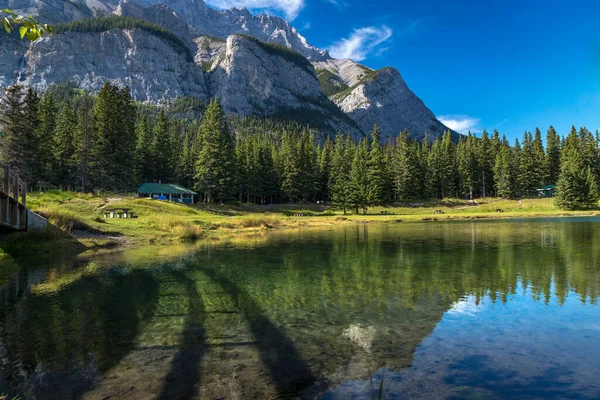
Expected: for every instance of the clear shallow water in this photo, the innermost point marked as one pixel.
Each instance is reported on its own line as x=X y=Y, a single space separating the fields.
x=450 y=310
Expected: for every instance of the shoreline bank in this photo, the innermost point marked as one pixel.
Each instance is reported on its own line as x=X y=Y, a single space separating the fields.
x=78 y=224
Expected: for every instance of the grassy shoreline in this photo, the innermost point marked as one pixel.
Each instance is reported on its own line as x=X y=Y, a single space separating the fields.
x=164 y=223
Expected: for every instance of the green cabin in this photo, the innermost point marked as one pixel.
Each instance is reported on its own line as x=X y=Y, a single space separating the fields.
x=547 y=191
x=166 y=192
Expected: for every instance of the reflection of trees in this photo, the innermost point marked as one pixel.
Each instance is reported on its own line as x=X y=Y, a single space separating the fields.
x=285 y=302
x=61 y=337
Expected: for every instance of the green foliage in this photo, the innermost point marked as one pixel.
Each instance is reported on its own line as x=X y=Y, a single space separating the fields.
x=286 y=53
x=113 y=142
x=553 y=155
x=330 y=82
x=367 y=77
x=206 y=66
x=215 y=165
x=503 y=171
x=104 y=24
x=339 y=179
x=28 y=27
x=108 y=143
x=359 y=182
x=577 y=186
x=63 y=146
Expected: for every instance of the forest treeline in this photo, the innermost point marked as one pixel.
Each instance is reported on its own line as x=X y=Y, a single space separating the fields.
x=106 y=142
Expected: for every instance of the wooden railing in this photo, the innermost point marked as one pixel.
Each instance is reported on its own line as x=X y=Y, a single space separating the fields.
x=13 y=201
x=13 y=186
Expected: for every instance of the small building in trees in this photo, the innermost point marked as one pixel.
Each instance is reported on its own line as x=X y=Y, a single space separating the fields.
x=166 y=192
x=547 y=191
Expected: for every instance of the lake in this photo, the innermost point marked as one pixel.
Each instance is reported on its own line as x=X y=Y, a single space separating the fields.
x=484 y=309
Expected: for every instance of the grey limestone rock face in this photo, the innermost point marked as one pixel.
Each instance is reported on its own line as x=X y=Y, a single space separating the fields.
x=249 y=78
x=384 y=99
x=150 y=66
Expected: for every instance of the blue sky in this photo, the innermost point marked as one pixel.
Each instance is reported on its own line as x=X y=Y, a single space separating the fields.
x=511 y=65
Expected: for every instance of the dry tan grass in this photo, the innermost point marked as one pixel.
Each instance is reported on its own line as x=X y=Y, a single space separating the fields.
x=183 y=228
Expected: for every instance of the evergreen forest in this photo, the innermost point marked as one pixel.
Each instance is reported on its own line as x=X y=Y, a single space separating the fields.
x=74 y=140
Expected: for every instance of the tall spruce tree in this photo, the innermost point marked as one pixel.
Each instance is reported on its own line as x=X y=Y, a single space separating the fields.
x=163 y=149
x=376 y=171
x=113 y=145
x=145 y=152
x=63 y=147
x=14 y=141
x=215 y=166
x=339 y=179
x=503 y=171
x=45 y=136
x=405 y=169
x=84 y=142
x=359 y=182
x=552 y=155
x=468 y=169
x=576 y=187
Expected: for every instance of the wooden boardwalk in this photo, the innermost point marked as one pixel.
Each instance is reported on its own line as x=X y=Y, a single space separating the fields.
x=13 y=201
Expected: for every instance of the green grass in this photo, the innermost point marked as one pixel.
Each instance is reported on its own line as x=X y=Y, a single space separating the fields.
x=163 y=222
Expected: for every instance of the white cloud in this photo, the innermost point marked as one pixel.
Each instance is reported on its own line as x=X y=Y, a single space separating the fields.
x=289 y=8
x=337 y=3
x=360 y=43
x=460 y=123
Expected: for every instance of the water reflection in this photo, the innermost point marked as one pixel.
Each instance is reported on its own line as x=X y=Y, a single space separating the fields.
x=296 y=313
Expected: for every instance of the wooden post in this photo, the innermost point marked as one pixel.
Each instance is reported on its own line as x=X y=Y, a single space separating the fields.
x=5 y=180
x=16 y=187
x=24 y=194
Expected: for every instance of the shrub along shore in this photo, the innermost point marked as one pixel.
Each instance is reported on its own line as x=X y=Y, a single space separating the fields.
x=77 y=220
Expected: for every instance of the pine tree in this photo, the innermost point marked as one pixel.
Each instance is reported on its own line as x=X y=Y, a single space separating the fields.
x=552 y=155
x=84 y=142
x=593 y=192
x=405 y=169
x=468 y=169
x=63 y=146
x=162 y=149
x=145 y=152
x=449 y=174
x=291 y=185
x=34 y=164
x=325 y=159
x=577 y=187
x=359 y=184
x=503 y=171
x=486 y=157
x=376 y=171
x=45 y=137
x=113 y=145
x=215 y=166
x=13 y=142
x=339 y=179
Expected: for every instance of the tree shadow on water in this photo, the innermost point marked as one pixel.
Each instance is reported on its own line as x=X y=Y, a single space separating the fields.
x=58 y=341
x=183 y=380
x=289 y=372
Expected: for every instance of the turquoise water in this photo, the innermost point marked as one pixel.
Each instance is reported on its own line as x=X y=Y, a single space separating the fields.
x=439 y=310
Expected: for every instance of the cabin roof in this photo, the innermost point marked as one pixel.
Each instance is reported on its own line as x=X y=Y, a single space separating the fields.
x=164 y=188
x=549 y=187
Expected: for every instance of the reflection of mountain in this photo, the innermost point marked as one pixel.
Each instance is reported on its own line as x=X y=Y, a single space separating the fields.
x=277 y=316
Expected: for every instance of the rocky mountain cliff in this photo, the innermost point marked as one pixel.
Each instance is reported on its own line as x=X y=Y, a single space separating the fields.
x=188 y=48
